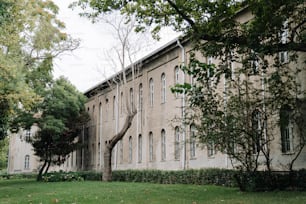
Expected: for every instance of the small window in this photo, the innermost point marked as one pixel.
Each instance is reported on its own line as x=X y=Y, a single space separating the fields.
x=176 y=75
x=140 y=97
x=132 y=99
x=257 y=130
x=28 y=136
x=192 y=141
x=114 y=107
x=163 y=88
x=286 y=125
x=284 y=35
x=163 y=145
x=177 y=143
x=211 y=149
x=121 y=151
x=151 y=87
x=150 y=146
x=27 y=162
x=130 y=149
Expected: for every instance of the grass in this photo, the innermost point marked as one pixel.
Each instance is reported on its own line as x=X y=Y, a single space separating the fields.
x=30 y=191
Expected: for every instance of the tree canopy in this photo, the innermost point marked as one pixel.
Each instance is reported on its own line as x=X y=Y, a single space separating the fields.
x=62 y=116
x=30 y=37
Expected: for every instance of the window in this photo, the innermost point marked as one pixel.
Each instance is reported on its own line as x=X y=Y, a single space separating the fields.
x=163 y=88
x=140 y=97
x=176 y=75
x=256 y=127
x=27 y=162
x=286 y=126
x=176 y=78
x=130 y=150
x=139 y=148
x=151 y=86
x=163 y=145
x=28 y=135
x=283 y=56
x=131 y=99
x=192 y=141
x=210 y=148
x=177 y=143
x=114 y=107
x=106 y=109
x=150 y=146
x=121 y=103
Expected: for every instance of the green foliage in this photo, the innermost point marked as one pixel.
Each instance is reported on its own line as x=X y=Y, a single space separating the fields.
x=267 y=181
x=31 y=36
x=60 y=123
x=4 y=146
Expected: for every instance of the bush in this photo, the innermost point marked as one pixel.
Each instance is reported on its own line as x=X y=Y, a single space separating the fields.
x=62 y=176
x=221 y=177
x=269 y=181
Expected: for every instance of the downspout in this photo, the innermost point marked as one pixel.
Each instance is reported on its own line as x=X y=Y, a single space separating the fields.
x=116 y=122
x=183 y=107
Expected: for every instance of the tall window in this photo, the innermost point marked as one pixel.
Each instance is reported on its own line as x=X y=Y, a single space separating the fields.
x=257 y=131
x=177 y=143
x=130 y=149
x=106 y=109
x=163 y=145
x=132 y=99
x=139 y=148
x=192 y=141
x=150 y=146
x=163 y=88
x=283 y=56
x=176 y=75
x=114 y=107
x=140 y=97
x=27 y=162
x=211 y=148
x=286 y=126
x=28 y=135
x=121 y=103
x=151 y=86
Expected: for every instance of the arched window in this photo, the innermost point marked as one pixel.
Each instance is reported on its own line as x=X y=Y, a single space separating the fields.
x=163 y=88
x=132 y=99
x=27 y=161
x=192 y=141
x=114 y=107
x=176 y=143
x=163 y=145
x=130 y=149
x=140 y=97
x=176 y=75
x=139 y=148
x=150 y=146
x=257 y=130
x=121 y=103
x=151 y=87
x=286 y=126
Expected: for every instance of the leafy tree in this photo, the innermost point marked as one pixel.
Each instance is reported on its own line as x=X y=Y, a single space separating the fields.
x=31 y=36
x=259 y=47
x=62 y=116
x=4 y=145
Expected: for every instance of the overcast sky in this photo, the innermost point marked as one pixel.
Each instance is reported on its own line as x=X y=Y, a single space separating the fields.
x=84 y=67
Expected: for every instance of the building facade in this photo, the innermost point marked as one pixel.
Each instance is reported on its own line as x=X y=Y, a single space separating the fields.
x=157 y=138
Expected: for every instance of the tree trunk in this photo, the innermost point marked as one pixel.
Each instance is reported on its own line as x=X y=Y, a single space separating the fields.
x=47 y=169
x=107 y=171
x=39 y=176
x=110 y=144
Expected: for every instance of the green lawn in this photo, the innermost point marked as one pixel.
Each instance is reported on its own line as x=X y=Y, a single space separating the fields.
x=30 y=191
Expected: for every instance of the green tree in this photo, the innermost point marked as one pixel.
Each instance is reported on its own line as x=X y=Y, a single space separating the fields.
x=62 y=116
x=31 y=36
x=4 y=145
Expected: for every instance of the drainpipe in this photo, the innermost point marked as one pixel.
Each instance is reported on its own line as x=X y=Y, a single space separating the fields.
x=116 y=121
x=183 y=107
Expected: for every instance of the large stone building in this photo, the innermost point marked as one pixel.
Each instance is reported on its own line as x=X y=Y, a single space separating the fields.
x=157 y=138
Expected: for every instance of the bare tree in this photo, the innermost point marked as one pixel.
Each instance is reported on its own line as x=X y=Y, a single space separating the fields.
x=125 y=53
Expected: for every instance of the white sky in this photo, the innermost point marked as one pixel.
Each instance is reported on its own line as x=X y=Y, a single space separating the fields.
x=84 y=67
